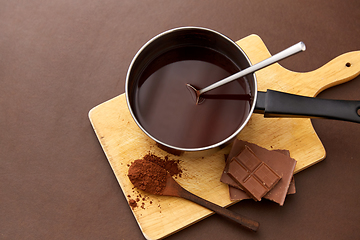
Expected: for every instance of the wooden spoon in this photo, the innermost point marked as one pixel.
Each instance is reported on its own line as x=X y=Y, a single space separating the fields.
x=154 y=179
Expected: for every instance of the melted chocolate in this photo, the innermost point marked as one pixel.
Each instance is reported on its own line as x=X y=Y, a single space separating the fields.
x=166 y=110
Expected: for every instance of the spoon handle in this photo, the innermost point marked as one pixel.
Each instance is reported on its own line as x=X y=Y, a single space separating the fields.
x=243 y=221
x=273 y=59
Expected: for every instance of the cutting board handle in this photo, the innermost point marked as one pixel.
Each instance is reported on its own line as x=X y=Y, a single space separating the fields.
x=339 y=70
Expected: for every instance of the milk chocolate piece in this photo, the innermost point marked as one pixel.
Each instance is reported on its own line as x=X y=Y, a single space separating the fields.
x=237 y=194
x=280 y=163
x=252 y=174
x=292 y=189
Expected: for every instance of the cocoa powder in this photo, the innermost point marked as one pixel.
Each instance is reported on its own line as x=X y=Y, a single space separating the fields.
x=132 y=203
x=171 y=166
x=147 y=176
x=138 y=168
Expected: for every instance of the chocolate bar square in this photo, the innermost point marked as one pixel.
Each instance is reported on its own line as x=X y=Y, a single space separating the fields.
x=279 y=160
x=253 y=175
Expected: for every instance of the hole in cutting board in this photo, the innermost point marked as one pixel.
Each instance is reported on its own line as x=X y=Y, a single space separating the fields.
x=348 y=64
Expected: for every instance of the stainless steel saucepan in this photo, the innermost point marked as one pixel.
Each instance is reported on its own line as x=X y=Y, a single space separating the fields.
x=270 y=103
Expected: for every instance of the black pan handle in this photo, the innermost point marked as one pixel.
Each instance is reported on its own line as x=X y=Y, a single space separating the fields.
x=279 y=104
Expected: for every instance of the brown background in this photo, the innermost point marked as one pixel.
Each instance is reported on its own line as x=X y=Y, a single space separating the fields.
x=60 y=58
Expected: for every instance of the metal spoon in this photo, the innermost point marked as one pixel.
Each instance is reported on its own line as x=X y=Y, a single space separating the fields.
x=275 y=58
x=154 y=179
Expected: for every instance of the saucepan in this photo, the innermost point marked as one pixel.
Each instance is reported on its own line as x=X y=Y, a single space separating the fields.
x=162 y=106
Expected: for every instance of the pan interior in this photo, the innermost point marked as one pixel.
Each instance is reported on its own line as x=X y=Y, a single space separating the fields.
x=162 y=105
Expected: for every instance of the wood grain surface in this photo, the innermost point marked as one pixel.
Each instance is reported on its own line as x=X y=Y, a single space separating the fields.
x=123 y=142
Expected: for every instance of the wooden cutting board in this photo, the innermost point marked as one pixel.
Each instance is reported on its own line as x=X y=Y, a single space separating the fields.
x=123 y=142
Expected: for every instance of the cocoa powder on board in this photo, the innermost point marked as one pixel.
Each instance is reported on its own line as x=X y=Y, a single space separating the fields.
x=142 y=173
x=132 y=203
x=147 y=176
x=171 y=166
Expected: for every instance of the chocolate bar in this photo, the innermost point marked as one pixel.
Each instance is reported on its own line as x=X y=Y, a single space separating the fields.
x=235 y=190
x=280 y=163
x=236 y=194
x=252 y=174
